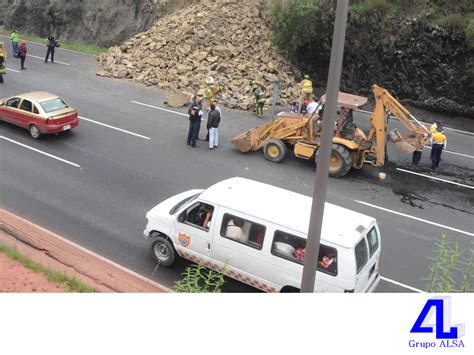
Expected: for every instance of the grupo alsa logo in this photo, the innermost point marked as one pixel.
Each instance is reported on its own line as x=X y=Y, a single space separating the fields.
x=447 y=336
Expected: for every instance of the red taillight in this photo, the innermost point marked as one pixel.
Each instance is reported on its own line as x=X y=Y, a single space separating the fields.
x=50 y=120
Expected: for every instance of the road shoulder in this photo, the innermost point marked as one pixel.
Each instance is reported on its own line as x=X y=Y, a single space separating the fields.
x=53 y=251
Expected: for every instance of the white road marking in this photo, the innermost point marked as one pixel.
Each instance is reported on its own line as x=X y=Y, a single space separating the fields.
x=40 y=151
x=112 y=127
x=159 y=108
x=436 y=178
x=416 y=218
x=427 y=123
x=42 y=58
x=16 y=71
x=455 y=153
x=402 y=285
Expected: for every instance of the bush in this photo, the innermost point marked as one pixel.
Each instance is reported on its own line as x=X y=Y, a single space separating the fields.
x=449 y=260
x=293 y=23
x=199 y=279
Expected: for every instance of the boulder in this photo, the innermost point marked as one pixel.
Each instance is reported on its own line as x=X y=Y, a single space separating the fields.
x=178 y=99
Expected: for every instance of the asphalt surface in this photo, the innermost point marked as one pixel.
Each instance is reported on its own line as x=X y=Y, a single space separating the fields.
x=97 y=196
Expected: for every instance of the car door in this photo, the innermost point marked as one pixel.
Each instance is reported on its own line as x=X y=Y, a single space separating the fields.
x=193 y=232
x=24 y=114
x=8 y=111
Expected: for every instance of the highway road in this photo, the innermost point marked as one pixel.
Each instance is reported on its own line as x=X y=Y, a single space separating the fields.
x=93 y=185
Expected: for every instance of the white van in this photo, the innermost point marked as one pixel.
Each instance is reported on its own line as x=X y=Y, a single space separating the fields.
x=259 y=232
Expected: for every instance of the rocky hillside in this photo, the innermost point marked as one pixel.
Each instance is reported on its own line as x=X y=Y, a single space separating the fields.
x=104 y=22
x=205 y=40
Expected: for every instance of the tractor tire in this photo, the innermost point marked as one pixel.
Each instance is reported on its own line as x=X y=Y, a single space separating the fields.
x=275 y=150
x=340 y=162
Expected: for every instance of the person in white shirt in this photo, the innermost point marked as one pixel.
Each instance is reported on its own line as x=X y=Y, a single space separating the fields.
x=234 y=230
x=313 y=108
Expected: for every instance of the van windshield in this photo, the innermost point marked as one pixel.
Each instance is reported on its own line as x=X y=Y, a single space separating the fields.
x=181 y=203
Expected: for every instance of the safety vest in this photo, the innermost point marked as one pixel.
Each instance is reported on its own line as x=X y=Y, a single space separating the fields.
x=14 y=37
x=261 y=97
x=438 y=138
x=307 y=86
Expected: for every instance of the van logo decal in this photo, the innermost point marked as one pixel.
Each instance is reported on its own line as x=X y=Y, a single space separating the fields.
x=184 y=239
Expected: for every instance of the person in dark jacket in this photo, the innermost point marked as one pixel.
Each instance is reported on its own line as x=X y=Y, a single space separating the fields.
x=197 y=101
x=194 y=122
x=213 y=120
x=52 y=44
x=22 y=50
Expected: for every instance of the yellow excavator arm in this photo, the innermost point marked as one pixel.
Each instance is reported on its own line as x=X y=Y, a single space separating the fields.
x=417 y=137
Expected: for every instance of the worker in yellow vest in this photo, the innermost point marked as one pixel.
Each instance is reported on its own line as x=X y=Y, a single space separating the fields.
x=438 y=143
x=260 y=99
x=210 y=92
x=306 y=87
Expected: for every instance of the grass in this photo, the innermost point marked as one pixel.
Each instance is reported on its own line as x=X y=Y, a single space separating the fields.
x=74 y=46
x=71 y=284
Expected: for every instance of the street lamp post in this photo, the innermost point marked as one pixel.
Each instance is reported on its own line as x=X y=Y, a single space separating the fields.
x=327 y=132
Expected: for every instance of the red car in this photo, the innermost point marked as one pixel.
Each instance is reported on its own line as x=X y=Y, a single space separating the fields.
x=40 y=112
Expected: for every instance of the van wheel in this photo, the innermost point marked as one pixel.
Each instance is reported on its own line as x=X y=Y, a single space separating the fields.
x=340 y=162
x=163 y=251
x=289 y=289
x=35 y=132
x=275 y=150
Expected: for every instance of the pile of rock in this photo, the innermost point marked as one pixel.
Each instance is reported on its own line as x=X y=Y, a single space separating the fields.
x=227 y=40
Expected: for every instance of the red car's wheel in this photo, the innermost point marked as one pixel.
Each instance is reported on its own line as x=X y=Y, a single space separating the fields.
x=34 y=131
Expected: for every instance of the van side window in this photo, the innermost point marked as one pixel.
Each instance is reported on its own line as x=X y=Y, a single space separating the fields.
x=198 y=215
x=361 y=254
x=373 y=240
x=292 y=248
x=243 y=231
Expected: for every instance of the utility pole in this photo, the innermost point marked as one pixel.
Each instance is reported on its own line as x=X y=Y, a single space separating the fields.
x=322 y=171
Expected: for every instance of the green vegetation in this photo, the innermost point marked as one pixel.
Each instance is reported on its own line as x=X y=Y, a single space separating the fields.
x=199 y=279
x=70 y=284
x=293 y=23
x=449 y=260
x=74 y=46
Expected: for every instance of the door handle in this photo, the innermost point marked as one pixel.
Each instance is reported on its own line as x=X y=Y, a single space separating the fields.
x=208 y=246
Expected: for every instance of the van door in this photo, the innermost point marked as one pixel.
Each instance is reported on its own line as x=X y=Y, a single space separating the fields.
x=238 y=244
x=193 y=231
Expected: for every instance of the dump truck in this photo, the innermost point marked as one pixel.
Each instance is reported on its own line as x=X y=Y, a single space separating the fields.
x=352 y=148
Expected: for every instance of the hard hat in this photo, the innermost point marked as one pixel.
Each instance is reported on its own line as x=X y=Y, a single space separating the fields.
x=200 y=92
x=209 y=80
x=1 y=43
x=306 y=76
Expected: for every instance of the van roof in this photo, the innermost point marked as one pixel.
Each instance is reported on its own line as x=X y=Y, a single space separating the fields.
x=286 y=208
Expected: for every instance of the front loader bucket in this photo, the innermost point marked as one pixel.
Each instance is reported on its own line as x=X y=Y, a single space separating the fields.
x=246 y=141
x=406 y=147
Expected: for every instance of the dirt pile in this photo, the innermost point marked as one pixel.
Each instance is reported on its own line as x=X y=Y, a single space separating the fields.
x=227 y=40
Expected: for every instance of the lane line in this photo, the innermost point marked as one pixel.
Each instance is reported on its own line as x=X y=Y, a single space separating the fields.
x=41 y=152
x=402 y=285
x=159 y=108
x=16 y=71
x=415 y=218
x=427 y=123
x=42 y=58
x=451 y=152
x=436 y=178
x=112 y=127
x=59 y=48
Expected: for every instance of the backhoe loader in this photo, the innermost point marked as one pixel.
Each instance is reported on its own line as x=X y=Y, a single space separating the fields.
x=352 y=148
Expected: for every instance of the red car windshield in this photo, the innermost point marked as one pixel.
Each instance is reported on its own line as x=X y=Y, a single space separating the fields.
x=53 y=105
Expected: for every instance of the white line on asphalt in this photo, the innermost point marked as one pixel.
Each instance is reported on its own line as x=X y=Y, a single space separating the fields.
x=16 y=71
x=159 y=108
x=415 y=218
x=452 y=129
x=435 y=178
x=402 y=285
x=34 y=56
x=451 y=152
x=118 y=129
x=41 y=152
x=58 y=49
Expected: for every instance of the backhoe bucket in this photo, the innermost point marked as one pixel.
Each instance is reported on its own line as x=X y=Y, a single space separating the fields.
x=246 y=141
x=406 y=144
